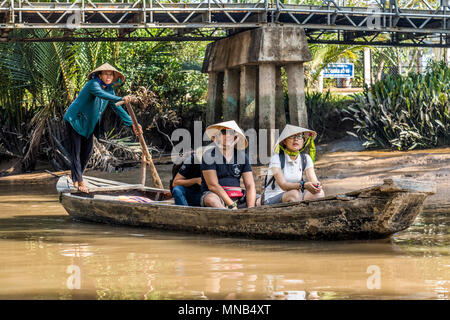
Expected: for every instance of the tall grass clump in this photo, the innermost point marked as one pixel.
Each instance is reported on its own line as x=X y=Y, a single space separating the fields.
x=404 y=112
x=325 y=111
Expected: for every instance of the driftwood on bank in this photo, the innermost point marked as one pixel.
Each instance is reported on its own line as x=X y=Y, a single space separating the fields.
x=107 y=155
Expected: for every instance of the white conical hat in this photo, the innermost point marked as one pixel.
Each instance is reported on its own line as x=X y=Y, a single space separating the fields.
x=212 y=130
x=291 y=130
x=108 y=67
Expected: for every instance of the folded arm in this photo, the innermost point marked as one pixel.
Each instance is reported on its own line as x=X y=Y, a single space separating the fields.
x=180 y=180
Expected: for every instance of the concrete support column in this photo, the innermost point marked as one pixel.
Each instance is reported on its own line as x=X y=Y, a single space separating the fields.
x=280 y=113
x=441 y=54
x=215 y=97
x=367 y=67
x=296 y=92
x=419 y=61
x=231 y=94
x=266 y=99
x=320 y=83
x=247 y=101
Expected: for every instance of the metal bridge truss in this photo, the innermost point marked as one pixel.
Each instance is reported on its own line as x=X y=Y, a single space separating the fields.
x=424 y=23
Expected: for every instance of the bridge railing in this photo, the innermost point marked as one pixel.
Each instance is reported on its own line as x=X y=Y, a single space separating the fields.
x=404 y=4
x=386 y=15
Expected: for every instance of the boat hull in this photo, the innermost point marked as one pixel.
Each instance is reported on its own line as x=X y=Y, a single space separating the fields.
x=371 y=213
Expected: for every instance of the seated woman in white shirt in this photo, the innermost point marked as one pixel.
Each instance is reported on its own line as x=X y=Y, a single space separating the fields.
x=287 y=184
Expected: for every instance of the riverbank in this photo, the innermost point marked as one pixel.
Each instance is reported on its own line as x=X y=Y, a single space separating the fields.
x=346 y=171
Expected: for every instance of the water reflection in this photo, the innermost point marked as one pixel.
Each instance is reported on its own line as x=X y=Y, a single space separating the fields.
x=44 y=251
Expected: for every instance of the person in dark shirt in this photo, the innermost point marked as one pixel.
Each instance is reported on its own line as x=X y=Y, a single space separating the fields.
x=186 y=184
x=223 y=166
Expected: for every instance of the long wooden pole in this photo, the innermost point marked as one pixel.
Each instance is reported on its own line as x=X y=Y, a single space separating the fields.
x=143 y=170
x=145 y=154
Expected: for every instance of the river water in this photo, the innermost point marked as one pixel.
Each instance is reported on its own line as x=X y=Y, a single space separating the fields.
x=46 y=255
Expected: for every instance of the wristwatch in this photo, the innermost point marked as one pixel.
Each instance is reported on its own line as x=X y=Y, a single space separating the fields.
x=231 y=206
x=302 y=186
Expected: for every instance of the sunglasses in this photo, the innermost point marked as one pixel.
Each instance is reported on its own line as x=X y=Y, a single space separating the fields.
x=227 y=131
x=298 y=136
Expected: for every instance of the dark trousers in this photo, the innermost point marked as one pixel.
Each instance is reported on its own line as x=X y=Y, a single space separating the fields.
x=80 y=152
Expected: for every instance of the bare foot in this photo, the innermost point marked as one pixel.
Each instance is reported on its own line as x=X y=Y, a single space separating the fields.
x=75 y=185
x=82 y=187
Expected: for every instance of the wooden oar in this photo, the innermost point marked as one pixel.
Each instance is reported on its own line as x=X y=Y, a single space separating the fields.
x=146 y=157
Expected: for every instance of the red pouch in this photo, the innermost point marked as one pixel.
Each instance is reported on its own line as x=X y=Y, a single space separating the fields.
x=233 y=192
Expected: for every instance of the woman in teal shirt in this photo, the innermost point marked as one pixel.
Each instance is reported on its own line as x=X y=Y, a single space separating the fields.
x=85 y=112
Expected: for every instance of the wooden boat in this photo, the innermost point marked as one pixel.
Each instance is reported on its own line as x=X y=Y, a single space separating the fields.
x=370 y=213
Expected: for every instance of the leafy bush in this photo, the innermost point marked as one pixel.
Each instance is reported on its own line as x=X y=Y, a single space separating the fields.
x=405 y=112
x=325 y=111
x=41 y=79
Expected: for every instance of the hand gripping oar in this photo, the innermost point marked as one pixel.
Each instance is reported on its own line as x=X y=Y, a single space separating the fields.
x=146 y=157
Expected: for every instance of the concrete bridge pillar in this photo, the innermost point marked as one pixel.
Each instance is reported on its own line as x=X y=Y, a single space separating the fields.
x=280 y=113
x=245 y=78
x=215 y=99
x=267 y=84
x=231 y=94
x=248 y=92
x=296 y=93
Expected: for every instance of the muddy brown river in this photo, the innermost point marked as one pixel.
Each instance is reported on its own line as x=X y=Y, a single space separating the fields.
x=47 y=255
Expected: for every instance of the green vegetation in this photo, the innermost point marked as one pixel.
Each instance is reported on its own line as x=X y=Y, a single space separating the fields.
x=405 y=112
x=41 y=79
x=325 y=113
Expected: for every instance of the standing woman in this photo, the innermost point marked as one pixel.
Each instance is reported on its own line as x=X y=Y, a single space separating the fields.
x=84 y=114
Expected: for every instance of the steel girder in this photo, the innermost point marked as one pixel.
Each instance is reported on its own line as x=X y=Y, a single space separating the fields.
x=376 y=22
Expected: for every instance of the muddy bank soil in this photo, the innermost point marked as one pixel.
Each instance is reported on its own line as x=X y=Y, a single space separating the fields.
x=347 y=171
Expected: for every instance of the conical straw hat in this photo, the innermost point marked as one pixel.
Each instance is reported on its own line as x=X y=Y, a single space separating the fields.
x=290 y=130
x=108 y=67
x=213 y=129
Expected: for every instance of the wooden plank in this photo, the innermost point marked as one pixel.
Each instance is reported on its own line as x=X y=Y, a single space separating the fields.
x=105 y=181
x=104 y=189
x=65 y=185
x=395 y=185
x=32 y=178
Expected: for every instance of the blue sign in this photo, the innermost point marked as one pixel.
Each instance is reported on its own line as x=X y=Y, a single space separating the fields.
x=339 y=70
